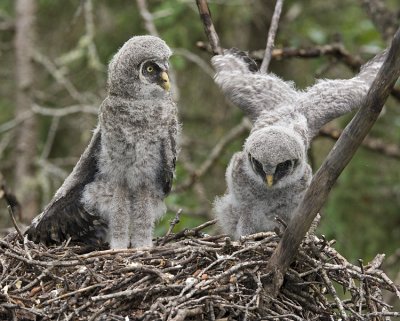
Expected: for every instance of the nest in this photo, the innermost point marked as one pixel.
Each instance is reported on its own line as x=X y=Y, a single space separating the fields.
x=187 y=276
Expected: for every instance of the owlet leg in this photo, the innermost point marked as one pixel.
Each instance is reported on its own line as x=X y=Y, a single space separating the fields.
x=142 y=220
x=119 y=218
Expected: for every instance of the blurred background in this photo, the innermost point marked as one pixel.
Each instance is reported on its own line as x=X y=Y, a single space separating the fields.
x=54 y=57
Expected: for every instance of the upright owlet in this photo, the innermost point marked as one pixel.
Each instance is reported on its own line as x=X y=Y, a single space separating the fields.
x=116 y=191
x=268 y=178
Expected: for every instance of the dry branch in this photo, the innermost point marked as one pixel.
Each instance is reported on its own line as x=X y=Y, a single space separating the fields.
x=27 y=135
x=271 y=36
x=371 y=143
x=385 y=20
x=209 y=28
x=147 y=17
x=334 y=164
x=215 y=153
x=336 y=50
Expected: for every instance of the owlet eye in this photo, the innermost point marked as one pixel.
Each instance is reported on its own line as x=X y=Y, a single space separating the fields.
x=150 y=69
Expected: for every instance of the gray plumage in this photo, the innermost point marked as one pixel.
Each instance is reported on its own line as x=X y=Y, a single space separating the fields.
x=268 y=178
x=115 y=192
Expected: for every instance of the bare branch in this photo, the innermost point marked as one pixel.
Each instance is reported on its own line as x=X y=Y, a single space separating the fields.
x=386 y=21
x=209 y=28
x=59 y=76
x=271 y=36
x=215 y=154
x=10 y=212
x=15 y=121
x=373 y=144
x=196 y=59
x=94 y=60
x=147 y=17
x=65 y=111
x=50 y=137
x=334 y=164
x=336 y=50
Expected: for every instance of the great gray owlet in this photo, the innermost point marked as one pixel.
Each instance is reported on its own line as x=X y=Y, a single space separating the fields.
x=116 y=190
x=268 y=178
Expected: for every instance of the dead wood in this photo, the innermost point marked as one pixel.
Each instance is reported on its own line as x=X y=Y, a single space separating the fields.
x=209 y=28
x=271 y=36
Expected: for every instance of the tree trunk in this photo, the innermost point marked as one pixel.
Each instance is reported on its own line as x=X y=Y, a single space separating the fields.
x=26 y=139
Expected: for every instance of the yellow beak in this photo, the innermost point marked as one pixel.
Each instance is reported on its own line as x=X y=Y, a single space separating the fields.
x=165 y=81
x=269 y=179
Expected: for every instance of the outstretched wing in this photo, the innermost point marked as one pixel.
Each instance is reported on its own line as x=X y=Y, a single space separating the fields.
x=65 y=216
x=329 y=99
x=252 y=91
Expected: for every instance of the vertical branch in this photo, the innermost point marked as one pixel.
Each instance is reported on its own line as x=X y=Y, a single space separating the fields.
x=271 y=36
x=336 y=161
x=147 y=17
x=94 y=60
x=26 y=140
x=209 y=29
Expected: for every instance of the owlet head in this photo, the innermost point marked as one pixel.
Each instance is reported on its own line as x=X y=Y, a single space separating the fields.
x=142 y=60
x=276 y=155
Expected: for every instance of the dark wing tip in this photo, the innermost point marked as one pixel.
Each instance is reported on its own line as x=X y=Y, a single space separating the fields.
x=251 y=64
x=71 y=222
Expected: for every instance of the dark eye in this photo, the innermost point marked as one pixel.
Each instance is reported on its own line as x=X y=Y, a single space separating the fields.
x=284 y=166
x=257 y=166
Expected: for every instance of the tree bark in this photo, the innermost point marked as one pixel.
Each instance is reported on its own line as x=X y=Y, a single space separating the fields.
x=26 y=139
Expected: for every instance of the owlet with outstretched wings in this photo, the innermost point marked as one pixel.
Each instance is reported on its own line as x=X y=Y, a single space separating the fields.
x=116 y=191
x=268 y=178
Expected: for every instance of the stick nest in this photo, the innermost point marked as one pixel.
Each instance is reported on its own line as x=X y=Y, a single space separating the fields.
x=187 y=276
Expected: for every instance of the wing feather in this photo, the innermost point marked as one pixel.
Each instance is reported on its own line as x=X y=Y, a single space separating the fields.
x=65 y=216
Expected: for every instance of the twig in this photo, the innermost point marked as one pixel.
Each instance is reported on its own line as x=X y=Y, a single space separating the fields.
x=59 y=77
x=385 y=20
x=332 y=290
x=209 y=28
x=94 y=60
x=334 y=164
x=370 y=143
x=64 y=111
x=51 y=134
x=182 y=314
x=271 y=36
x=10 y=211
x=195 y=59
x=365 y=286
x=172 y=224
x=15 y=121
x=215 y=154
x=10 y=198
x=147 y=17
x=336 y=50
